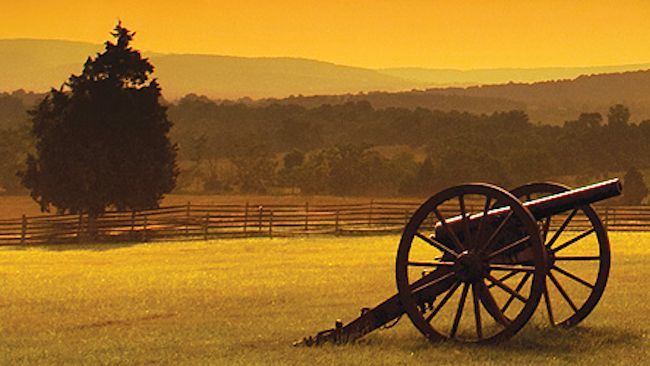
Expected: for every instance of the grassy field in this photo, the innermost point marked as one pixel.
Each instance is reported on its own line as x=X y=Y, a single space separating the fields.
x=243 y=302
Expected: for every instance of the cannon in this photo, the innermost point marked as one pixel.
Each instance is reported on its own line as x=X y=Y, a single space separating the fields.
x=474 y=261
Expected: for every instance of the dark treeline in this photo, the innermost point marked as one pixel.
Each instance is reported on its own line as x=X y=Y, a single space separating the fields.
x=355 y=149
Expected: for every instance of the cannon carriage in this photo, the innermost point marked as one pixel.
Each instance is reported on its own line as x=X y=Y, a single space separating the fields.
x=474 y=261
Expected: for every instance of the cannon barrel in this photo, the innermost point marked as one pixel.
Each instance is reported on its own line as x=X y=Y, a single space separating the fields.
x=553 y=204
x=558 y=203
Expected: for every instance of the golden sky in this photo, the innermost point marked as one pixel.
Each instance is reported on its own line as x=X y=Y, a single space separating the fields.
x=381 y=33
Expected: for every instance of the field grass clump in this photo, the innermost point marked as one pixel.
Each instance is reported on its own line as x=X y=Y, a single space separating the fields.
x=243 y=302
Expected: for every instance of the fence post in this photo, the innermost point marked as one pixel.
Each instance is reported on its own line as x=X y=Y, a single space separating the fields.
x=259 y=220
x=145 y=238
x=306 y=216
x=80 y=224
x=370 y=213
x=246 y=218
x=92 y=227
x=206 y=224
x=23 y=230
x=336 y=223
x=271 y=224
x=132 y=224
x=187 y=218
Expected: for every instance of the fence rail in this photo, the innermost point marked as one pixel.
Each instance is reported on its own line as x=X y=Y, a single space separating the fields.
x=247 y=220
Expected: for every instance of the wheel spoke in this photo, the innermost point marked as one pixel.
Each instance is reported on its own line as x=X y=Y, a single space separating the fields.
x=573 y=276
x=562 y=292
x=509 y=246
x=459 y=311
x=511 y=267
x=451 y=233
x=477 y=312
x=442 y=302
x=517 y=289
x=573 y=240
x=561 y=228
x=491 y=304
x=547 y=300
x=464 y=218
x=577 y=258
x=506 y=288
x=505 y=277
x=479 y=232
x=436 y=244
x=421 y=284
x=430 y=264
x=488 y=243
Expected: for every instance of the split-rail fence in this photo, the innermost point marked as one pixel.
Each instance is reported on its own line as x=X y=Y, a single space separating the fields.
x=205 y=222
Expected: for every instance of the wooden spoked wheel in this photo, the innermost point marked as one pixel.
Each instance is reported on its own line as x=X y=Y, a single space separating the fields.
x=579 y=257
x=460 y=265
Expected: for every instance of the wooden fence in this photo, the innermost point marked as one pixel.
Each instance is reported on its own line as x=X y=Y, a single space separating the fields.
x=205 y=222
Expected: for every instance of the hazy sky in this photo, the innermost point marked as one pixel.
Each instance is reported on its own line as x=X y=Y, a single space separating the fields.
x=379 y=33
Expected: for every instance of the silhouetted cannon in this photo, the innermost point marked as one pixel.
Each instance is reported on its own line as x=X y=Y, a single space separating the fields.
x=475 y=260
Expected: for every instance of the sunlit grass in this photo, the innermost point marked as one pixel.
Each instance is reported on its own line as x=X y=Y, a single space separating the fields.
x=245 y=301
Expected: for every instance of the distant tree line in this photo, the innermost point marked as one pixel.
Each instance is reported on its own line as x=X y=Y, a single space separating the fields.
x=355 y=149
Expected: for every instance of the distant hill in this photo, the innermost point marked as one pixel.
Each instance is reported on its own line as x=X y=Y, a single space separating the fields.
x=556 y=101
x=550 y=102
x=408 y=100
x=40 y=64
x=235 y=77
x=452 y=77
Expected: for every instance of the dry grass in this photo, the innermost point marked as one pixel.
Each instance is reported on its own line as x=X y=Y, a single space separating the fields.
x=245 y=302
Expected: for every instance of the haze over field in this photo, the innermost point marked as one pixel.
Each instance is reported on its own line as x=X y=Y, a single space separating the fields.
x=288 y=47
x=398 y=82
x=445 y=34
x=38 y=65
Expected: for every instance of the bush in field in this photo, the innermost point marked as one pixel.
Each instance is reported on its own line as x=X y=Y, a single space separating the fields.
x=634 y=188
x=101 y=139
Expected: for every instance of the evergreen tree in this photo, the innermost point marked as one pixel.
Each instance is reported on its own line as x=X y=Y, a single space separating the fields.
x=101 y=139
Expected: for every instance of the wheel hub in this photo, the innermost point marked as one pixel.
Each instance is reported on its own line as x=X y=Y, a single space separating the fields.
x=470 y=267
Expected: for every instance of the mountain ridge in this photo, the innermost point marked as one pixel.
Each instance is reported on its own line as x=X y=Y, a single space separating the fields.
x=460 y=77
x=38 y=65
